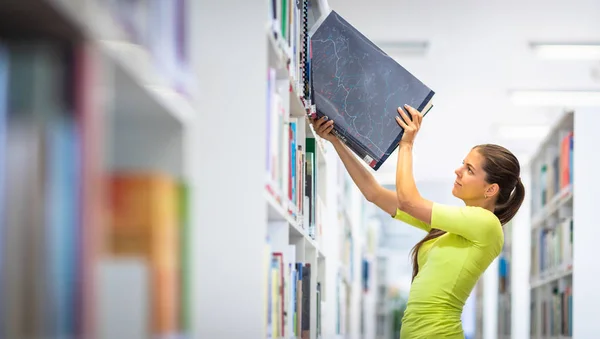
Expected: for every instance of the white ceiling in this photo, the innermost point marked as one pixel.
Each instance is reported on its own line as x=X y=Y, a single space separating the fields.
x=478 y=50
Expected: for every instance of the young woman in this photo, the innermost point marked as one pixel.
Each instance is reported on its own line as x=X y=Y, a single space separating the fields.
x=461 y=241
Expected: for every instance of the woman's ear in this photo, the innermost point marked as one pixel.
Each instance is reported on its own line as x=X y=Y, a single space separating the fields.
x=492 y=190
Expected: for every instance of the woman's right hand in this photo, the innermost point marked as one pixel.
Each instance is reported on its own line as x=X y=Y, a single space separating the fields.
x=323 y=128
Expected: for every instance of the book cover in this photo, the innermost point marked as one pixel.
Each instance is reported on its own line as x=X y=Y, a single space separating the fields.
x=360 y=87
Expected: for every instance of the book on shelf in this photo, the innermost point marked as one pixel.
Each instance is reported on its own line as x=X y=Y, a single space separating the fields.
x=289 y=290
x=39 y=170
x=552 y=250
x=556 y=174
x=144 y=223
x=357 y=85
x=552 y=311
x=292 y=173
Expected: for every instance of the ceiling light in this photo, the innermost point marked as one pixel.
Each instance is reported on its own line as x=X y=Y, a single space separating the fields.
x=555 y=98
x=567 y=51
x=522 y=131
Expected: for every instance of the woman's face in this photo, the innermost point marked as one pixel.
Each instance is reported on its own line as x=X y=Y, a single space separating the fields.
x=470 y=184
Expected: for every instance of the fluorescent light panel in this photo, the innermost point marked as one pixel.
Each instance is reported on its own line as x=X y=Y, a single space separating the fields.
x=522 y=131
x=568 y=51
x=555 y=98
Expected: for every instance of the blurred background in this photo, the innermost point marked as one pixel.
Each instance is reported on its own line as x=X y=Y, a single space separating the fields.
x=159 y=177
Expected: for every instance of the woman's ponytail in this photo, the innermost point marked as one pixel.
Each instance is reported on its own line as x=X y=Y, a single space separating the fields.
x=507 y=210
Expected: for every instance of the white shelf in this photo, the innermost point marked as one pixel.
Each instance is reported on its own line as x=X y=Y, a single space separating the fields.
x=277 y=212
x=96 y=24
x=552 y=276
x=564 y=197
x=134 y=61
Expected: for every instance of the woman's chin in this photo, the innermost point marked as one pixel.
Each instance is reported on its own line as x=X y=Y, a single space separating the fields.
x=455 y=192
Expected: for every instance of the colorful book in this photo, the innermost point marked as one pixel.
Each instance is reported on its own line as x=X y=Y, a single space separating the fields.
x=146 y=224
x=360 y=87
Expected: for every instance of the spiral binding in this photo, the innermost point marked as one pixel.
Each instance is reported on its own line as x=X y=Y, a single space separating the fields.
x=304 y=54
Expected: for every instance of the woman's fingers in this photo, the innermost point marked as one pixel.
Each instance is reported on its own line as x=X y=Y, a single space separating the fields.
x=329 y=128
x=319 y=122
x=405 y=117
x=417 y=116
x=324 y=126
x=401 y=123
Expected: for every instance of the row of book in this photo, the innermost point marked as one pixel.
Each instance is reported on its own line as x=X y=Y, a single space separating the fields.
x=289 y=296
x=552 y=249
x=292 y=173
x=552 y=312
x=43 y=198
x=556 y=174
x=290 y=20
x=161 y=28
x=71 y=227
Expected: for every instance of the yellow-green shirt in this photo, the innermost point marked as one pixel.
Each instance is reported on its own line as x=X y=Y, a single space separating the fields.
x=449 y=267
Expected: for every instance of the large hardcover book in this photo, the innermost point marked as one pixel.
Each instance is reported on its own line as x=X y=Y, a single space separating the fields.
x=360 y=87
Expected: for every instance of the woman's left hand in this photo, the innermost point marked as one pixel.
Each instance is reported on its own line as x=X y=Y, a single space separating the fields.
x=411 y=127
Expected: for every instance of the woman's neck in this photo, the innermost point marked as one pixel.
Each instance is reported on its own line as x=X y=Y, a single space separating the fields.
x=483 y=203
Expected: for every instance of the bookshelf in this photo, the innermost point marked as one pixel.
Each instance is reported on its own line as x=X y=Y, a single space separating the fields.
x=292 y=231
x=315 y=213
x=552 y=230
x=95 y=122
x=192 y=176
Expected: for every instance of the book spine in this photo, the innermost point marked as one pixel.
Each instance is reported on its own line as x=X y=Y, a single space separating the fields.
x=362 y=153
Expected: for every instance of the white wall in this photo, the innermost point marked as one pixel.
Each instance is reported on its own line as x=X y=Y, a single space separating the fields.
x=230 y=225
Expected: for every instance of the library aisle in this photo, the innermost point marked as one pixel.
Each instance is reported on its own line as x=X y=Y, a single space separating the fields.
x=159 y=178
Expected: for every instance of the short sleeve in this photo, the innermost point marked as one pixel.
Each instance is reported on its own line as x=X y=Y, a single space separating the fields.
x=407 y=218
x=472 y=223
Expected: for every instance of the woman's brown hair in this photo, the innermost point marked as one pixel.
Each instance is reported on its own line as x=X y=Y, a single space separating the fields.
x=501 y=167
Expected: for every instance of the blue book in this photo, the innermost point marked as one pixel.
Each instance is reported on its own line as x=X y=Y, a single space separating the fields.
x=360 y=87
x=63 y=218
